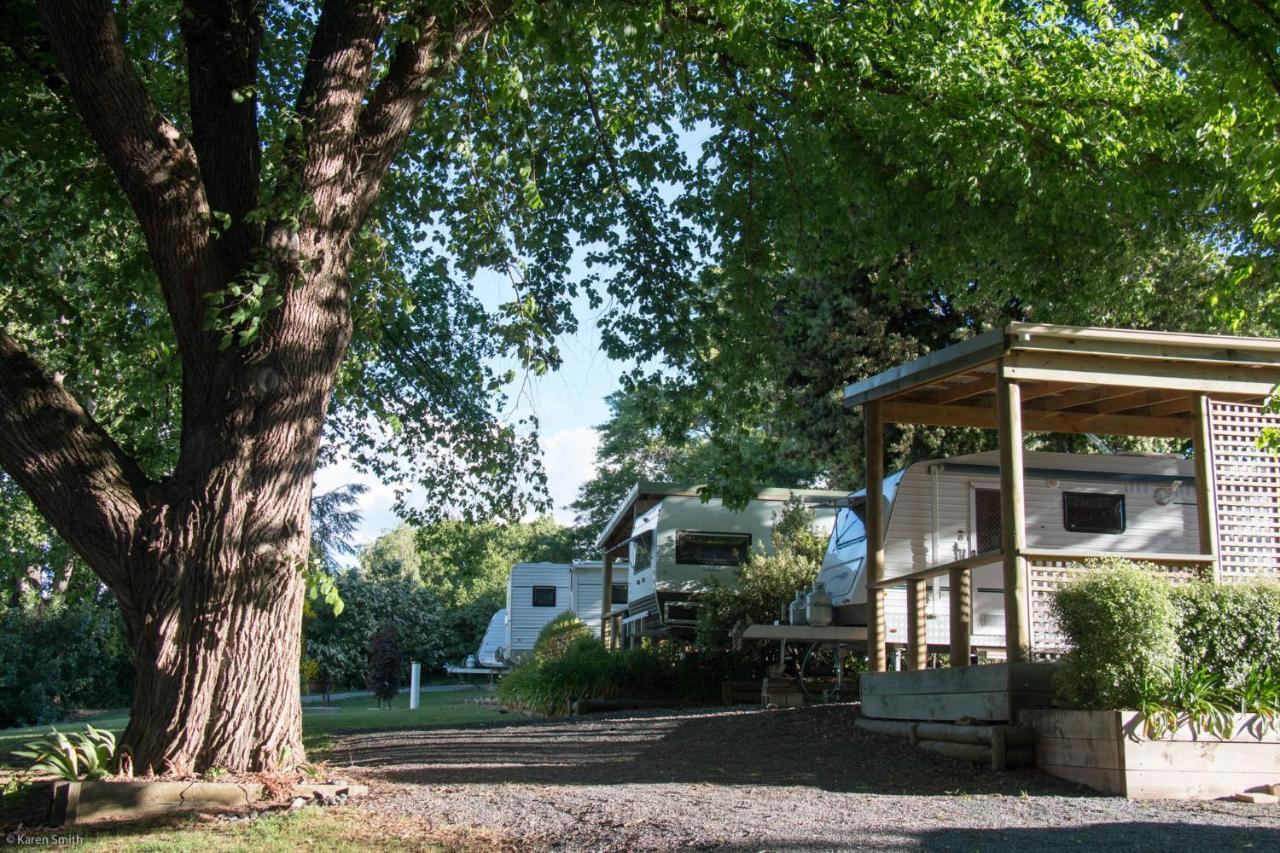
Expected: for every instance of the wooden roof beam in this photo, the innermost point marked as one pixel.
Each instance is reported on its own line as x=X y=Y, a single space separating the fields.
x=1180 y=405
x=1040 y=390
x=1195 y=348
x=1090 y=395
x=984 y=417
x=961 y=390
x=1132 y=400
x=1212 y=379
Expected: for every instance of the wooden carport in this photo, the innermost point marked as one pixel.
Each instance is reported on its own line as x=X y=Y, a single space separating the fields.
x=1065 y=379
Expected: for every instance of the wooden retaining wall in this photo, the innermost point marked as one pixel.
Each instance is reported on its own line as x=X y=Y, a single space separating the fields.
x=992 y=692
x=1107 y=750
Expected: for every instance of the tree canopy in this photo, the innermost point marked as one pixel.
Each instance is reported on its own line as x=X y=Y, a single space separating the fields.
x=745 y=184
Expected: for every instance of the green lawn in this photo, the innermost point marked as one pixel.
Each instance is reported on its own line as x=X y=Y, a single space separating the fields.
x=436 y=709
x=331 y=829
x=11 y=739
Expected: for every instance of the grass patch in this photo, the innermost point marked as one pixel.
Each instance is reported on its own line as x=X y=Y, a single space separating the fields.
x=361 y=714
x=11 y=739
x=357 y=713
x=329 y=829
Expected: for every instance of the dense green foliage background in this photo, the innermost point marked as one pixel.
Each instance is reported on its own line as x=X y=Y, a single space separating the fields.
x=61 y=656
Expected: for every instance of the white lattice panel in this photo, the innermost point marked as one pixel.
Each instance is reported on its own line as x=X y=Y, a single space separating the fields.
x=1045 y=576
x=1247 y=483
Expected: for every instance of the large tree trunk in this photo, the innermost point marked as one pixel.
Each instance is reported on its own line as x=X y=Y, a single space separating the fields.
x=207 y=564
x=216 y=680
x=217 y=630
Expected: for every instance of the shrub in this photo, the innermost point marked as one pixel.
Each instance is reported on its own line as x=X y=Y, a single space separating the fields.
x=339 y=643
x=86 y=755
x=764 y=583
x=386 y=663
x=573 y=664
x=62 y=656
x=1227 y=629
x=1191 y=694
x=1122 y=626
x=559 y=634
x=558 y=674
x=1260 y=694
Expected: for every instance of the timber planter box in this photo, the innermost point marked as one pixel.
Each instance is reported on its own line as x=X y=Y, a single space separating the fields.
x=1107 y=750
x=86 y=802
x=991 y=692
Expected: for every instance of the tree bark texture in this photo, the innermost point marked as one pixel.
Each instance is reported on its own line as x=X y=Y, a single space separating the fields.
x=207 y=562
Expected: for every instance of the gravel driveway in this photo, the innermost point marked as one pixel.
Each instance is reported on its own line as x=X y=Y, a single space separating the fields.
x=803 y=779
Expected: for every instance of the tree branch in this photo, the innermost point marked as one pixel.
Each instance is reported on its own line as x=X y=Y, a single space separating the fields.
x=76 y=475
x=155 y=165
x=223 y=39
x=1264 y=58
x=398 y=97
x=336 y=81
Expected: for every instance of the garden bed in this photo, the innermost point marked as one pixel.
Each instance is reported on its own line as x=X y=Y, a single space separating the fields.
x=1108 y=751
x=87 y=802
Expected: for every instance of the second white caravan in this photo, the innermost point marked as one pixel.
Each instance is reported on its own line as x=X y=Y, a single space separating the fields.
x=539 y=592
x=944 y=510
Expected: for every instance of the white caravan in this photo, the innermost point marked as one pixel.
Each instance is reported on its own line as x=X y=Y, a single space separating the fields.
x=676 y=544
x=944 y=510
x=539 y=592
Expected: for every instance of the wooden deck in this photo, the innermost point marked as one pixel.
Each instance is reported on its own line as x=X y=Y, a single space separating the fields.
x=990 y=693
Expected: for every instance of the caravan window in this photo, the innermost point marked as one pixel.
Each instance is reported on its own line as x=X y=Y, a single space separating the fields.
x=695 y=548
x=986 y=520
x=853 y=527
x=544 y=596
x=1090 y=512
x=619 y=595
x=642 y=551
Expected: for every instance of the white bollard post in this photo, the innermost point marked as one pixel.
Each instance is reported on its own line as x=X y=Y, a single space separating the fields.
x=415 y=684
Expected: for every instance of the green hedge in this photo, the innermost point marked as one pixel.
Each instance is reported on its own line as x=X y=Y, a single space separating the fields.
x=335 y=648
x=1133 y=636
x=568 y=663
x=61 y=657
x=1121 y=624
x=1227 y=629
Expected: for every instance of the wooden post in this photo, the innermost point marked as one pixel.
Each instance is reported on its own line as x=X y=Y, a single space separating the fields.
x=999 y=748
x=1206 y=491
x=874 y=445
x=606 y=601
x=917 y=626
x=1013 y=529
x=960 y=609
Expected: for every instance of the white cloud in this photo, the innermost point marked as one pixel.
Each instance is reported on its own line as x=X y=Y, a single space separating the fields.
x=375 y=504
x=569 y=457
x=570 y=460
